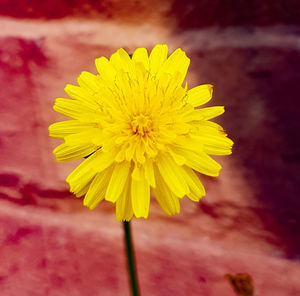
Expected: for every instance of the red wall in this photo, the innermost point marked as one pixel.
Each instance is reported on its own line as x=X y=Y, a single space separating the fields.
x=249 y=220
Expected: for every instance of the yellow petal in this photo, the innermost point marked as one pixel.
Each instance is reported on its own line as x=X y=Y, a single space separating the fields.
x=82 y=175
x=209 y=128
x=210 y=112
x=83 y=95
x=171 y=86
x=196 y=188
x=71 y=108
x=65 y=153
x=203 y=114
x=121 y=60
x=149 y=173
x=117 y=181
x=179 y=159
x=164 y=196
x=104 y=160
x=95 y=163
x=123 y=82
x=202 y=163
x=172 y=175
x=140 y=55
x=61 y=129
x=157 y=57
x=138 y=172
x=200 y=95
x=177 y=62
x=97 y=189
x=81 y=191
x=217 y=150
x=105 y=69
x=214 y=143
x=88 y=81
x=82 y=138
x=124 y=211
x=140 y=197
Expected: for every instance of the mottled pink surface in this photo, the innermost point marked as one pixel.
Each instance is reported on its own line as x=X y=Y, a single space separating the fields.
x=249 y=220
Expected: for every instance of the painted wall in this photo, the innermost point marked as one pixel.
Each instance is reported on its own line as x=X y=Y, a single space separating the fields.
x=249 y=220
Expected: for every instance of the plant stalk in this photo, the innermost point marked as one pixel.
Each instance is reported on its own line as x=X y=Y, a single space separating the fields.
x=130 y=259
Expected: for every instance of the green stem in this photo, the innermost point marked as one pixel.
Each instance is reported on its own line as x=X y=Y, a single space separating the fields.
x=130 y=259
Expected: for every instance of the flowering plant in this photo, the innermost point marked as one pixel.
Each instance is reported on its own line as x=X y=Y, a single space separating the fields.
x=141 y=129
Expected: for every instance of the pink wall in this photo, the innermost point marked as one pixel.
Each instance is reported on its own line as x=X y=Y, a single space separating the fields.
x=249 y=220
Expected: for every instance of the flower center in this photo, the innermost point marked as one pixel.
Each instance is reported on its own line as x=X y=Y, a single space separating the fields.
x=141 y=124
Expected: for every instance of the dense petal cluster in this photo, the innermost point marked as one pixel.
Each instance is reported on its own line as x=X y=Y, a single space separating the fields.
x=140 y=128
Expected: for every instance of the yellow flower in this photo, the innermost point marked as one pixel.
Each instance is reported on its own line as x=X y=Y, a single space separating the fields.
x=141 y=129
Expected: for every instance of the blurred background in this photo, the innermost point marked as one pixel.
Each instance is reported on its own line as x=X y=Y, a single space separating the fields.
x=250 y=219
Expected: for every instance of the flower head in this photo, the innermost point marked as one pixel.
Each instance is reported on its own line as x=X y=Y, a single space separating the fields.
x=140 y=128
